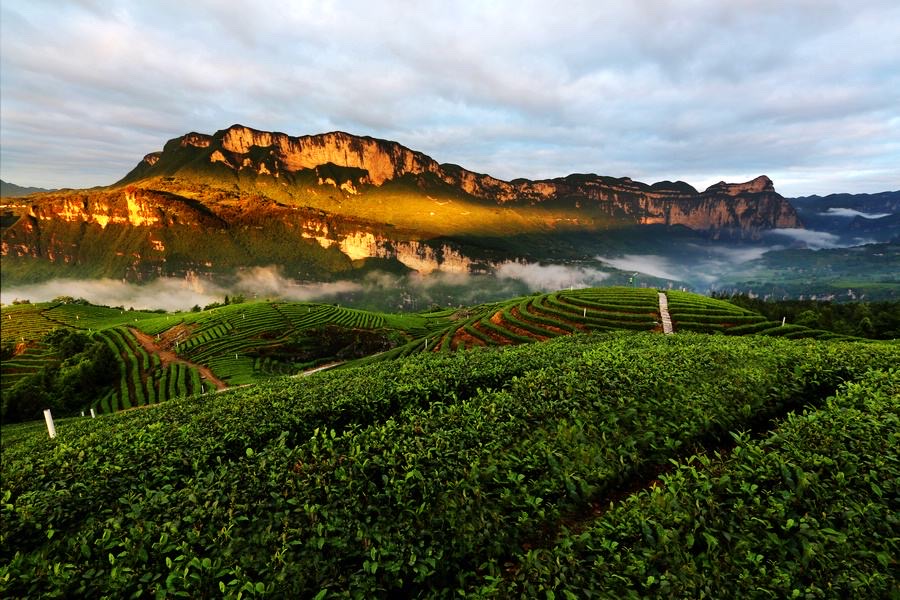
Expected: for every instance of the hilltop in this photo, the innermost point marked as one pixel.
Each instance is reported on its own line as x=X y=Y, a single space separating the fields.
x=352 y=166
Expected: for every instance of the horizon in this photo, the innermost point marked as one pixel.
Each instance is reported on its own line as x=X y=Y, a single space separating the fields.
x=807 y=94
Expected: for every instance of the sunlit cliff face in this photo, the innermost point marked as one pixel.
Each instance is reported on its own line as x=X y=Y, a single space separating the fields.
x=378 y=162
x=415 y=255
x=383 y=161
x=134 y=211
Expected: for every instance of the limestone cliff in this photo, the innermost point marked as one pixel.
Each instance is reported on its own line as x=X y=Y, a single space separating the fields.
x=136 y=234
x=316 y=204
x=356 y=164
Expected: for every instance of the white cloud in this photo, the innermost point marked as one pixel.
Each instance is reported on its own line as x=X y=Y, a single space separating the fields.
x=815 y=240
x=550 y=277
x=648 y=264
x=172 y=294
x=166 y=293
x=850 y=213
x=805 y=91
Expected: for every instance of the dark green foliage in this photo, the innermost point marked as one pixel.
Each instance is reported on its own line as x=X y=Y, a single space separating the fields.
x=446 y=474
x=808 y=511
x=874 y=320
x=80 y=370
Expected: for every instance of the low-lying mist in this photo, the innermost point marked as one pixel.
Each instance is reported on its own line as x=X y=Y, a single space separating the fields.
x=173 y=294
x=374 y=291
x=698 y=267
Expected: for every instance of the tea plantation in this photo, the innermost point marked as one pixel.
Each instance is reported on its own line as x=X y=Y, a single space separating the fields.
x=608 y=464
x=163 y=356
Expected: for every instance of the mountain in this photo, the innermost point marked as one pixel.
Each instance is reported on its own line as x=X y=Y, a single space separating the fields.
x=354 y=166
x=328 y=204
x=857 y=218
x=11 y=190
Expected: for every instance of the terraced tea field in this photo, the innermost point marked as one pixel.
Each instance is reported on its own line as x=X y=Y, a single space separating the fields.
x=162 y=356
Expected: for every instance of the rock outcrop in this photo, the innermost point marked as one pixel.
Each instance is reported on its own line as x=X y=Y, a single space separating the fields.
x=740 y=210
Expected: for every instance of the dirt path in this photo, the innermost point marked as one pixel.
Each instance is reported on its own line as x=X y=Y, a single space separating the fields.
x=664 y=313
x=166 y=358
x=498 y=339
x=537 y=310
x=322 y=368
x=465 y=339
x=524 y=317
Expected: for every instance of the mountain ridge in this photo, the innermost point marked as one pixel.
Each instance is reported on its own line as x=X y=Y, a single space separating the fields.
x=385 y=160
x=318 y=204
x=11 y=190
x=353 y=165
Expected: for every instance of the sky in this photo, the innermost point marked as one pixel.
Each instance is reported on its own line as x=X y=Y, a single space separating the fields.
x=804 y=91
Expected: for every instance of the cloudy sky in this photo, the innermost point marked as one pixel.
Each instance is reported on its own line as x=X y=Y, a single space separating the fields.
x=806 y=91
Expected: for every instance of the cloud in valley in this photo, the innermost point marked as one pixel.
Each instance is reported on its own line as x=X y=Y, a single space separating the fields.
x=806 y=92
x=815 y=240
x=173 y=294
x=542 y=278
x=648 y=264
x=851 y=213
x=167 y=293
x=268 y=282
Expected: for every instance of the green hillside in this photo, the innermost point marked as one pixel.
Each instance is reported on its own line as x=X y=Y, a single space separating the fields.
x=601 y=465
x=161 y=356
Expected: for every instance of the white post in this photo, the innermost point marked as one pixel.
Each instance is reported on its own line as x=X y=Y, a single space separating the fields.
x=585 y=313
x=51 y=429
x=82 y=413
x=93 y=414
x=235 y=357
x=426 y=343
x=783 y=319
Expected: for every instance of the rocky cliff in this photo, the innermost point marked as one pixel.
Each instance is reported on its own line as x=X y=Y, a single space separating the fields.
x=321 y=204
x=136 y=234
x=724 y=209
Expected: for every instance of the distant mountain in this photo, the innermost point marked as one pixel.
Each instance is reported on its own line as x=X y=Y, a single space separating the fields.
x=11 y=190
x=870 y=271
x=324 y=205
x=862 y=217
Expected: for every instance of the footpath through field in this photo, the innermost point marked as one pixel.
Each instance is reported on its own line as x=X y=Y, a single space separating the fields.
x=322 y=368
x=166 y=357
x=664 y=313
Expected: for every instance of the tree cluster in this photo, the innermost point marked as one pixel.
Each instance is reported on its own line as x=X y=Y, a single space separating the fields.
x=873 y=320
x=82 y=371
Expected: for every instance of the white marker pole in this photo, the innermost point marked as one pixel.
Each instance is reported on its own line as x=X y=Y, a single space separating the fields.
x=783 y=319
x=585 y=313
x=93 y=414
x=82 y=413
x=51 y=429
